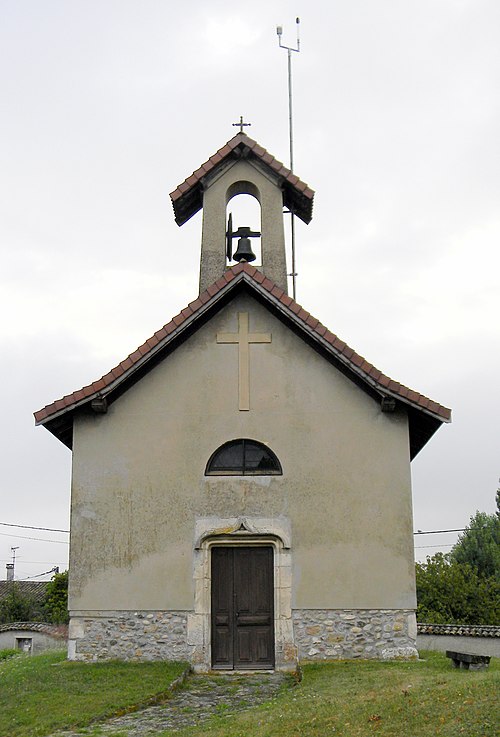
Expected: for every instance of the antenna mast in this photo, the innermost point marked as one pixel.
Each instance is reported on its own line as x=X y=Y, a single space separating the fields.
x=289 y=49
x=13 y=551
x=11 y=566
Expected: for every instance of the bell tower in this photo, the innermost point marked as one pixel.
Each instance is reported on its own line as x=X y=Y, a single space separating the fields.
x=242 y=167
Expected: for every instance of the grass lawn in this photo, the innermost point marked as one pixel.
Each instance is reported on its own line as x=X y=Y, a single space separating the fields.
x=43 y=693
x=357 y=699
x=353 y=699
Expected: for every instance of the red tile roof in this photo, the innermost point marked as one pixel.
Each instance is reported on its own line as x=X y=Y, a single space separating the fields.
x=354 y=365
x=59 y=631
x=187 y=198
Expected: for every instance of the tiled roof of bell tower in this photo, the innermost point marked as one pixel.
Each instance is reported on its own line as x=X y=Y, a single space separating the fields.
x=187 y=198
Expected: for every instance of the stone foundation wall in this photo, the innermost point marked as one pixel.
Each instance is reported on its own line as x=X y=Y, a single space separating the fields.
x=319 y=634
x=129 y=636
x=386 y=634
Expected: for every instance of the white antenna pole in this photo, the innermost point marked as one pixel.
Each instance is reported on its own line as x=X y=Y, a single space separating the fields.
x=289 y=49
x=13 y=551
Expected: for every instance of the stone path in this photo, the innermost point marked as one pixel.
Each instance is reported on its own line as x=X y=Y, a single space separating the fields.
x=198 y=699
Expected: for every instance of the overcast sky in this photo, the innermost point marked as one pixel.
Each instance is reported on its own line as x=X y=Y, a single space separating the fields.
x=107 y=105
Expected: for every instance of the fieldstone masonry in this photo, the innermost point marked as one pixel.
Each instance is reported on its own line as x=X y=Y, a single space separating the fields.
x=320 y=634
x=140 y=635
x=382 y=634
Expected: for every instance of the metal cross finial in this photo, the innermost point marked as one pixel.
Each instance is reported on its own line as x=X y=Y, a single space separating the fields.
x=242 y=124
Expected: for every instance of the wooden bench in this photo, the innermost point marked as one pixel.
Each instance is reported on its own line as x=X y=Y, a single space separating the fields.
x=469 y=662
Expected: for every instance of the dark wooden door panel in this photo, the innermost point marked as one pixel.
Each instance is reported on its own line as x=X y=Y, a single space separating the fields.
x=242 y=607
x=254 y=633
x=224 y=655
x=261 y=646
x=244 y=654
x=222 y=607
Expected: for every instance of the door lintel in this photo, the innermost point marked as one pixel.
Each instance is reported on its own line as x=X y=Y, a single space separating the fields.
x=211 y=528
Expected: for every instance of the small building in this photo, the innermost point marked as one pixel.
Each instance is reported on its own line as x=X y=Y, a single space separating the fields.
x=241 y=490
x=33 y=637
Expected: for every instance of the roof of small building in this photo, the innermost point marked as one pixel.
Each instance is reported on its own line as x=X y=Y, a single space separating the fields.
x=34 y=589
x=60 y=631
x=463 y=630
x=187 y=198
x=425 y=415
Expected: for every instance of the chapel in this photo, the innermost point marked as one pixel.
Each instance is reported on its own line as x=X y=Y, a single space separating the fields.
x=241 y=490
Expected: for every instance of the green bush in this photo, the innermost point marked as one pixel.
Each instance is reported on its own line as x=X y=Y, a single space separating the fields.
x=449 y=592
x=9 y=653
x=56 y=599
x=18 y=607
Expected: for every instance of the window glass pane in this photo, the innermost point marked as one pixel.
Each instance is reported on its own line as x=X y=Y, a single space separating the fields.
x=243 y=457
x=258 y=460
x=229 y=458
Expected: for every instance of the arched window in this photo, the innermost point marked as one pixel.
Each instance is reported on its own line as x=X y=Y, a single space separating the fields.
x=243 y=457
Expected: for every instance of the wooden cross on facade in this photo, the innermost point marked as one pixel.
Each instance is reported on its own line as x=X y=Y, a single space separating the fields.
x=242 y=124
x=243 y=338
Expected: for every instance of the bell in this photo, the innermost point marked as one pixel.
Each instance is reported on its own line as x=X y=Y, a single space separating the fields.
x=244 y=251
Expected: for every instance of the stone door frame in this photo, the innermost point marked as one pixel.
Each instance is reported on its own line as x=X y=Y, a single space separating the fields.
x=210 y=532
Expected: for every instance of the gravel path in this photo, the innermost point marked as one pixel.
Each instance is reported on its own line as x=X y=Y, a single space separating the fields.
x=199 y=698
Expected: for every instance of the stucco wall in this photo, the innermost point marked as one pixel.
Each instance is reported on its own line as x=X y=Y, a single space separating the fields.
x=460 y=644
x=138 y=476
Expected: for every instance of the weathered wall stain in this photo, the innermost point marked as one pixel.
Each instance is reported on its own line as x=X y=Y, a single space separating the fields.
x=139 y=484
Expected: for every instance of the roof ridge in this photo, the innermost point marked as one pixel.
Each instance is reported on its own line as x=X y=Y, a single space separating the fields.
x=348 y=356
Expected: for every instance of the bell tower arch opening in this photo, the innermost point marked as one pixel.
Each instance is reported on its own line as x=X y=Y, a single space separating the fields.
x=245 y=171
x=242 y=180
x=243 y=210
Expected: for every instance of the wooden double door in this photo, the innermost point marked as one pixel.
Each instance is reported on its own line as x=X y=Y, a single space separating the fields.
x=242 y=608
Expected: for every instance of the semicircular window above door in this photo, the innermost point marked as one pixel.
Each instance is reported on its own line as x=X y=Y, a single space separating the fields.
x=243 y=457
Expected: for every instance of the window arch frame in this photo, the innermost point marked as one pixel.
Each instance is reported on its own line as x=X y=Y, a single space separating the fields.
x=243 y=470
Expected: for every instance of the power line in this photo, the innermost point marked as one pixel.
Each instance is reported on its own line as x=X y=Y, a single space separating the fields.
x=30 y=527
x=40 y=539
x=21 y=560
x=55 y=569
x=53 y=529
x=437 y=532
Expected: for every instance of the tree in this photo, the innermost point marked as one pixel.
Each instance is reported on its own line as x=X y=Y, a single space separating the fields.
x=449 y=592
x=56 y=599
x=463 y=587
x=19 y=607
x=479 y=545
